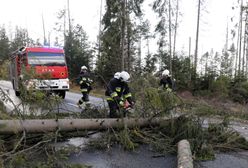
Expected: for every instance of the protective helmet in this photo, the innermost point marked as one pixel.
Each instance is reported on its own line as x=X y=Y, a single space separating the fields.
x=117 y=75
x=124 y=76
x=84 y=68
x=166 y=73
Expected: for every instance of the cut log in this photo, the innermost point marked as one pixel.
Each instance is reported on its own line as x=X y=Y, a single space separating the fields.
x=50 y=125
x=184 y=155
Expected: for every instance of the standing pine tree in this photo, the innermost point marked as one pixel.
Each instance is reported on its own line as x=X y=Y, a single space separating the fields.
x=77 y=50
x=20 y=39
x=168 y=11
x=118 y=37
x=4 y=44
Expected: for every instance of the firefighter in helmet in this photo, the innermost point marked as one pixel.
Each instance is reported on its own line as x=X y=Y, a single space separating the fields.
x=118 y=92
x=166 y=82
x=85 y=86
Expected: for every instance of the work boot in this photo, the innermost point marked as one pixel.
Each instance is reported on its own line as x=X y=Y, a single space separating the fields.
x=80 y=105
x=87 y=104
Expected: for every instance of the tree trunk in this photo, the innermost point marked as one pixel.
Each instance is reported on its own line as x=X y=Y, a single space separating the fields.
x=51 y=125
x=170 y=53
x=190 y=59
x=139 y=55
x=123 y=35
x=237 y=53
x=175 y=33
x=99 y=32
x=69 y=15
x=197 y=36
x=184 y=155
x=246 y=54
x=240 y=38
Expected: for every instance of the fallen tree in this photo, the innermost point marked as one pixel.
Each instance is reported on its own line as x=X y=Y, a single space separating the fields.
x=51 y=125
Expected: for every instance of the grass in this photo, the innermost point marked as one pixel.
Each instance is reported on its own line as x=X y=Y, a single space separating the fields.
x=205 y=107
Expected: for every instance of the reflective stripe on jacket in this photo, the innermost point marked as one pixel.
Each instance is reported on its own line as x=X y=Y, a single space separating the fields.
x=117 y=88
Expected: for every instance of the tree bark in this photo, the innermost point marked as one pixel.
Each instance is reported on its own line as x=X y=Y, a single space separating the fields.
x=51 y=125
x=184 y=155
x=175 y=33
x=123 y=35
x=170 y=52
x=197 y=37
x=240 y=38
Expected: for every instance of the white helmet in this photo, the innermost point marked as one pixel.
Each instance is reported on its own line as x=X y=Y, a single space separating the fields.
x=166 y=73
x=124 y=76
x=84 y=68
x=117 y=75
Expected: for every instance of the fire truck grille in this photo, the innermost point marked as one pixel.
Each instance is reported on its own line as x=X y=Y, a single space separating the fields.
x=54 y=87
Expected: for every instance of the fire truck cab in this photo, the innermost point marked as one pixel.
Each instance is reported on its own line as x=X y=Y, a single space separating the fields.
x=46 y=67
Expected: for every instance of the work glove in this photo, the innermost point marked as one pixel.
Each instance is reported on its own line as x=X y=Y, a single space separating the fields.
x=90 y=80
x=121 y=103
x=132 y=104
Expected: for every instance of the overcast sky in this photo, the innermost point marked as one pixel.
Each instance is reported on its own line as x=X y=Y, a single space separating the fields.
x=28 y=14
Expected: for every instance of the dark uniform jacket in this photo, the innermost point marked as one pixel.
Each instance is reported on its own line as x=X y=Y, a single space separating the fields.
x=166 y=82
x=116 y=89
x=85 y=81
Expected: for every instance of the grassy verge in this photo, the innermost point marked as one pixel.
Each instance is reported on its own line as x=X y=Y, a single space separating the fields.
x=215 y=108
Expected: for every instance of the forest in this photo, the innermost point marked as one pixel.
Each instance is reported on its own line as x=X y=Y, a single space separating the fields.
x=122 y=29
x=207 y=84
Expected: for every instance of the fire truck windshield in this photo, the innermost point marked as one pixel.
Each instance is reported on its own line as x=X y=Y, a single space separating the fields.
x=45 y=58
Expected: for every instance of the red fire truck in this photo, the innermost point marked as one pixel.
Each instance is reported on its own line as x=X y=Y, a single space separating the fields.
x=49 y=67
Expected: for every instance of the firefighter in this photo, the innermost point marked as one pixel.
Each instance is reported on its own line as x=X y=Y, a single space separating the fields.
x=85 y=86
x=118 y=92
x=166 y=82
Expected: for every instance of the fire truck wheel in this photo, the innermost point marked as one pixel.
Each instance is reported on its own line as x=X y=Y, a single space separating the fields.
x=62 y=94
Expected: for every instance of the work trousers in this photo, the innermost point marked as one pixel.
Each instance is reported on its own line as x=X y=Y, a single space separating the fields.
x=84 y=98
